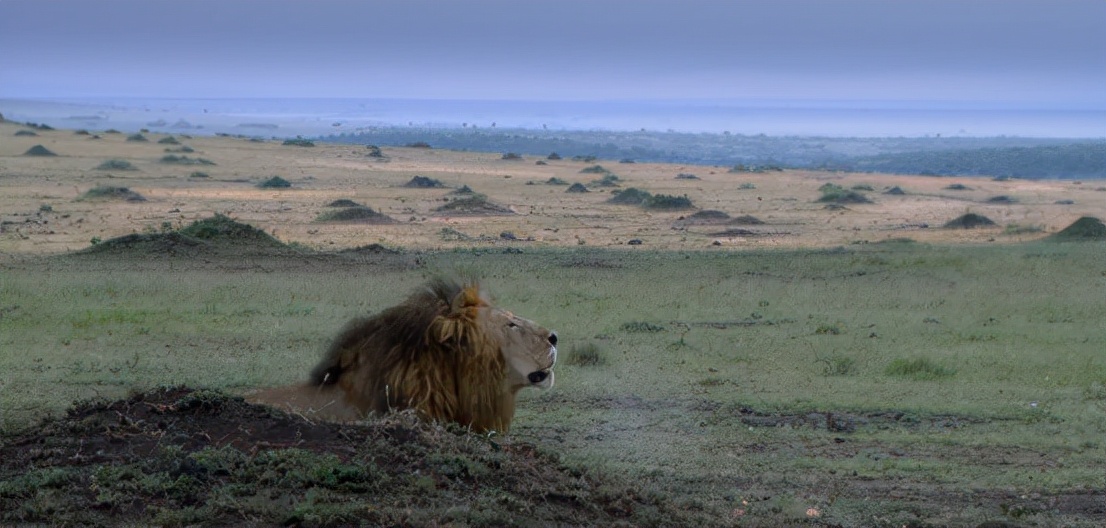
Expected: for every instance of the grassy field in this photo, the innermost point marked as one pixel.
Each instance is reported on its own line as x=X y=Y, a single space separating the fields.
x=802 y=348
x=881 y=384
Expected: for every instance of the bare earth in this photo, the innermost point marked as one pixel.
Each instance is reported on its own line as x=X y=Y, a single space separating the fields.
x=543 y=214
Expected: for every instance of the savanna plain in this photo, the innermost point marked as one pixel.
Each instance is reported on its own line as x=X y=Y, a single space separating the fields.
x=737 y=347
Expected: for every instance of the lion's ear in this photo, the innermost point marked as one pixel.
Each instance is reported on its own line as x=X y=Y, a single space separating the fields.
x=467 y=301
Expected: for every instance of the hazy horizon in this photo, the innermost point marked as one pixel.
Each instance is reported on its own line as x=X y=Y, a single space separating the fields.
x=863 y=54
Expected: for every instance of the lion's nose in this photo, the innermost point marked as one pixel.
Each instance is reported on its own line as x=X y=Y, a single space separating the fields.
x=553 y=338
x=537 y=376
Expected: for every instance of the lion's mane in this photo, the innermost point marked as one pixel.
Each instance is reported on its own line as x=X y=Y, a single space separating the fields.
x=431 y=353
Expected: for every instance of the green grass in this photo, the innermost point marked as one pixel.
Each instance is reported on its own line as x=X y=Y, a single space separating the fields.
x=972 y=351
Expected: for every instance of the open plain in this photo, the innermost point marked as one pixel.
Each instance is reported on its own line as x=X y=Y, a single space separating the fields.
x=752 y=348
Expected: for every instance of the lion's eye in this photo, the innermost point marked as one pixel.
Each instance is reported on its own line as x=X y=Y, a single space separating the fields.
x=511 y=324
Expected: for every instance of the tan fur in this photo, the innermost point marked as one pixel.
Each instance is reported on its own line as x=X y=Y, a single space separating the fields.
x=445 y=352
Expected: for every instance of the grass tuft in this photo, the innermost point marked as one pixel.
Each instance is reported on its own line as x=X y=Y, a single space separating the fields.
x=921 y=369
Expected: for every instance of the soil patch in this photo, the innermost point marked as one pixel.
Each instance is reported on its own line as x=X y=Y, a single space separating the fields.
x=194 y=457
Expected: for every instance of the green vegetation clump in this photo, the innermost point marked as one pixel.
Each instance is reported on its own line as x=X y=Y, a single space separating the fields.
x=419 y=145
x=920 y=369
x=577 y=188
x=139 y=138
x=957 y=187
x=116 y=164
x=183 y=149
x=585 y=355
x=553 y=156
x=108 y=192
x=708 y=215
x=276 y=182
x=477 y=204
x=630 y=196
x=1001 y=199
x=608 y=180
x=462 y=190
x=686 y=176
x=836 y=194
x=641 y=327
x=344 y=202
x=1087 y=228
x=185 y=160
x=374 y=151
x=357 y=213
x=199 y=174
x=168 y=140
x=511 y=156
x=665 y=201
x=969 y=221
x=25 y=133
x=555 y=181
x=424 y=182
x=298 y=142
x=594 y=169
x=223 y=228
x=39 y=150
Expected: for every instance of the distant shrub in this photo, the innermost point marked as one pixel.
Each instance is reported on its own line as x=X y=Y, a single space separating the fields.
x=107 y=192
x=594 y=169
x=585 y=355
x=357 y=213
x=665 y=201
x=585 y=159
x=344 y=202
x=374 y=151
x=298 y=142
x=26 y=133
x=39 y=150
x=921 y=369
x=641 y=327
x=81 y=132
x=833 y=193
x=1001 y=199
x=116 y=164
x=553 y=156
x=183 y=148
x=512 y=156
x=746 y=186
x=957 y=187
x=424 y=182
x=555 y=181
x=198 y=174
x=969 y=221
x=185 y=160
x=837 y=365
x=137 y=138
x=630 y=196
x=686 y=176
x=1085 y=228
x=577 y=188
x=608 y=180
x=540 y=162
x=419 y=144
x=276 y=182
x=168 y=140
x=862 y=187
x=464 y=189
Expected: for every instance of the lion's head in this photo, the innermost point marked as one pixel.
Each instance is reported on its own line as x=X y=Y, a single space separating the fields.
x=445 y=352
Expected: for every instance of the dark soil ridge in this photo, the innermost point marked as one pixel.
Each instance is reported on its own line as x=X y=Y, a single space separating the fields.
x=196 y=457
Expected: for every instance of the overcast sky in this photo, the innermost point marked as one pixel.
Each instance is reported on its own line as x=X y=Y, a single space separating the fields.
x=1050 y=52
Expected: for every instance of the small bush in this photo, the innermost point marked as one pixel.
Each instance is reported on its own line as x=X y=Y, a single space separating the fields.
x=957 y=187
x=424 y=182
x=168 y=140
x=276 y=182
x=357 y=213
x=1001 y=199
x=298 y=142
x=511 y=156
x=833 y=193
x=198 y=174
x=594 y=169
x=686 y=176
x=585 y=355
x=862 y=187
x=344 y=203
x=921 y=369
x=584 y=158
x=183 y=149
x=107 y=192
x=419 y=144
x=969 y=221
x=555 y=181
x=665 y=201
x=746 y=186
x=608 y=180
x=185 y=160
x=641 y=327
x=553 y=156
x=139 y=138
x=577 y=188
x=26 y=133
x=631 y=196
x=116 y=164
x=39 y=150
x=838 y=365
x=374 y=151
x=462 y=190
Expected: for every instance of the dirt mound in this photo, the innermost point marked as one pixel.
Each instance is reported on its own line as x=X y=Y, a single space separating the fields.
x=969 y=221
x=193 y=457
x=577 y=188
x=1086 y=228
x=39 y=150
x=221 y=228
x=218 y=235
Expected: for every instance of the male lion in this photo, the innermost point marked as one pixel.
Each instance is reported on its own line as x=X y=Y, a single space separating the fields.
x=444 y=352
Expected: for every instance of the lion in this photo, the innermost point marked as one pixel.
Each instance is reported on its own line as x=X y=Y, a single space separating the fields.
x=445 y=353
